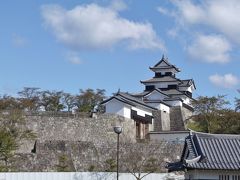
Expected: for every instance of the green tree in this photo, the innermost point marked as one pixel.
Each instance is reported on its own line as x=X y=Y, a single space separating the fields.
x=88 y=99
x=63 y=164
x=12 y=131
x=8 y=102
x=8 y=146
x=29 y=98
x=228 y=122
x=237 y=102
x=52 y=100
x=68 y=101
x=212 y=116
x=110 y=165
x=205 y=104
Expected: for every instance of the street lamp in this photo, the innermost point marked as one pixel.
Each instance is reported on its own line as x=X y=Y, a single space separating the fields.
x=118 y=130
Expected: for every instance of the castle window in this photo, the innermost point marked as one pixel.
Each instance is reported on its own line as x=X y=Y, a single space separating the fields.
x=158 y=75
x=168 y=74
x=224 y=177
x=149 y=88
x=173 y=86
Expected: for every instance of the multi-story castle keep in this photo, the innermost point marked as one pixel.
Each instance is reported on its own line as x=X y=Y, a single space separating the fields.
x=163 y=106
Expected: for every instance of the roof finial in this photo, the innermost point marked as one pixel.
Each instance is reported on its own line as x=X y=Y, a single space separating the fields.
x=118 y=91
x=163 y=58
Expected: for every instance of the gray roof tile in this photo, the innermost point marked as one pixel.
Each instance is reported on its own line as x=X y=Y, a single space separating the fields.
x=217 y=151
x=129 y=99
x=167 y=66
x=162 y=79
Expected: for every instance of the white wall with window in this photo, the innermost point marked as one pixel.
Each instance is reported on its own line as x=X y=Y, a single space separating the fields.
x=213 y=174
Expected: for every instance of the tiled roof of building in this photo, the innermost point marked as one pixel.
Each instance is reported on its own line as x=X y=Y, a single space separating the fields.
x=176 y=93
x=173 y=92
x=209 y=151
x=187 y=83
x=156 y=89
x=162 y=79
x=167 y=66
x=128 y=99
x=173 y=99
x=140 y=94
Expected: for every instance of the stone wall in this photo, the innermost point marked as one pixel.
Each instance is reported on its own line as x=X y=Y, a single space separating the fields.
x=176 y=119
x=161 y=121
x=85 y=156
x=86 y=143
x=157 y=126
x=96 y=130
x=186 y=113
x=165 y=121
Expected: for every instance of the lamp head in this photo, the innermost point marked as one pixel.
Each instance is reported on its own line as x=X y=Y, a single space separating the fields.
x=117 y=129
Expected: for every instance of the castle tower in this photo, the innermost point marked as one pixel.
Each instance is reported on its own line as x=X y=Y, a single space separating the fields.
x=164 y=78
x=167 y=83
x=164 y=105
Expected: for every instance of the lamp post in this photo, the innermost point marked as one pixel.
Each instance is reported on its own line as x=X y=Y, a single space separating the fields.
x=118 y=130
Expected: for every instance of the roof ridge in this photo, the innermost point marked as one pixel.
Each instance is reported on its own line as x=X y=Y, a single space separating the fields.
x=158 y=90
x=211 y=134
x=134 y=99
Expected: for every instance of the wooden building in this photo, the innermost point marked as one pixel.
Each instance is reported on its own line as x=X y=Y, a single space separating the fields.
x=209 y=156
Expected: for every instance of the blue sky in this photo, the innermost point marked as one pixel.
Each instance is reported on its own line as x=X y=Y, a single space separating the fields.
x=72 y=45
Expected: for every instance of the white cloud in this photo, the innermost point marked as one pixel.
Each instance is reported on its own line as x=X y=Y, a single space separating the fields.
x=225 y=81
x=95 y=27
x=73 y=58
x=118 y=5
x=18 y=41
x=163 y=10
x=220 y=15
x=188 y=12
x=173 y=32
x=210 y=48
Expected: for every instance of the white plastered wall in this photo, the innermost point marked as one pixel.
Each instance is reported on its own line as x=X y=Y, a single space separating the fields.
x=209 y=174
x=185 y=88
x=160 y=106
x=141 y=111
x=116 y=107
x=164 y=108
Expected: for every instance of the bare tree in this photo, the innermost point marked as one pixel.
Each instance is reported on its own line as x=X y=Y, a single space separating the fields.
x=142 y=159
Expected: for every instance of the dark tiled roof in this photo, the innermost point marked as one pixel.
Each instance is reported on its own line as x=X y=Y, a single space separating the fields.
x=162 y=79
x=173 y=99
x=168 y=65
x=140 y=94
x=173 y=92
x=176 y=93
x=145 y=100
x=129 y=99
x=158 y=90
x=210 y=151
x=187 y=83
